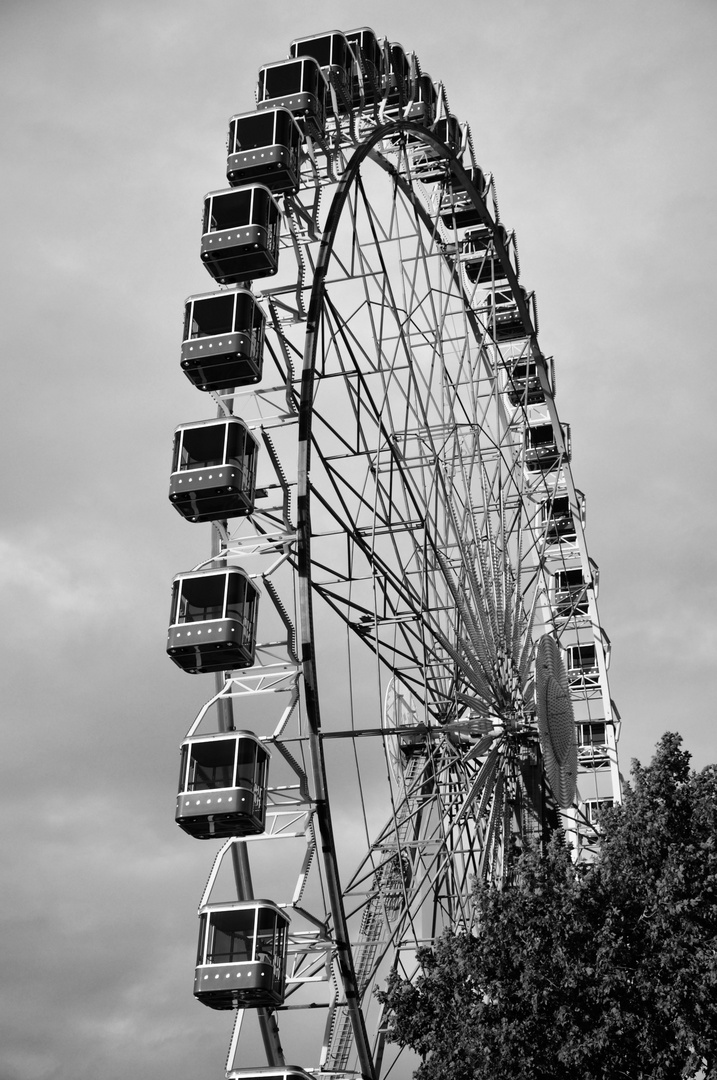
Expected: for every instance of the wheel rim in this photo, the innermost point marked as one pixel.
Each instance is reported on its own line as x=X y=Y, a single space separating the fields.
x=435 y=566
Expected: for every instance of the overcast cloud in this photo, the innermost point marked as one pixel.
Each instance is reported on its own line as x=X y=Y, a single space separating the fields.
x=597 y=122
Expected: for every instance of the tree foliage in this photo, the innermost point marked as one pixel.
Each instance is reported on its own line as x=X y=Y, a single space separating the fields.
x=594 y=976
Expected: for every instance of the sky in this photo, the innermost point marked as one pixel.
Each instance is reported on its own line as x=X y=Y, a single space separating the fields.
x=596 y=121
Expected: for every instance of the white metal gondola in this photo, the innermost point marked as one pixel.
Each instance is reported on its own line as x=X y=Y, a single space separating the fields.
x=504 y=314
x=396 y=80
x=223 y=342
x=213 y=469
x=213 y=620
x=583 y=666
x=264 y=146
x=297 y=85
x=222 y=785
x=459 y=211
x=570 y=594
x=542 y=450
x=240 y=234
x=366 y=84
x=241 y=955
x=424 y=103
x=429 y=160
x=335 y=57
x=559 y=518
x=524 y=386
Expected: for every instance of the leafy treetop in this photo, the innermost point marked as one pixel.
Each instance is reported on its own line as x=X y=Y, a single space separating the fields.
x=596 y=976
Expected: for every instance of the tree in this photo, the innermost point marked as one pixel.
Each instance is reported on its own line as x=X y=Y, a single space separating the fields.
x=595 y=976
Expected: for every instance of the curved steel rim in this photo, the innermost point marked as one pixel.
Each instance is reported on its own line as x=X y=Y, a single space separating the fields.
x=306 y=634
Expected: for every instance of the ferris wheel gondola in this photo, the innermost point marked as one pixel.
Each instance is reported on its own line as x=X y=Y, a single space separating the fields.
x=428 y=607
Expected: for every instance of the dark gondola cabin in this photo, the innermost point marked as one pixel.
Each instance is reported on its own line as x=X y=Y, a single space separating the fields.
x=366 y=79
x=241 y=959
x=542 y=453
x=523 y=384
x=265 y=146
x=582 y=665
x=448 y=130
x=504 y=319
x=396 y=79
x=424 y=102
x=429 y=163
x=240 y=235
x=592 y=744
x=482 y=265
x=570 y=594
x=457 y=207
x=222 y=785
x=558 y=520
x=334 y=56
x=213 y=470
x=270 y=1072
x=296 y=85
x=213 y=620
x=223 y=343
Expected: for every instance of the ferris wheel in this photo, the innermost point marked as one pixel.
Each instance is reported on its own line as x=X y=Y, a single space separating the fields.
x=397 y=608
